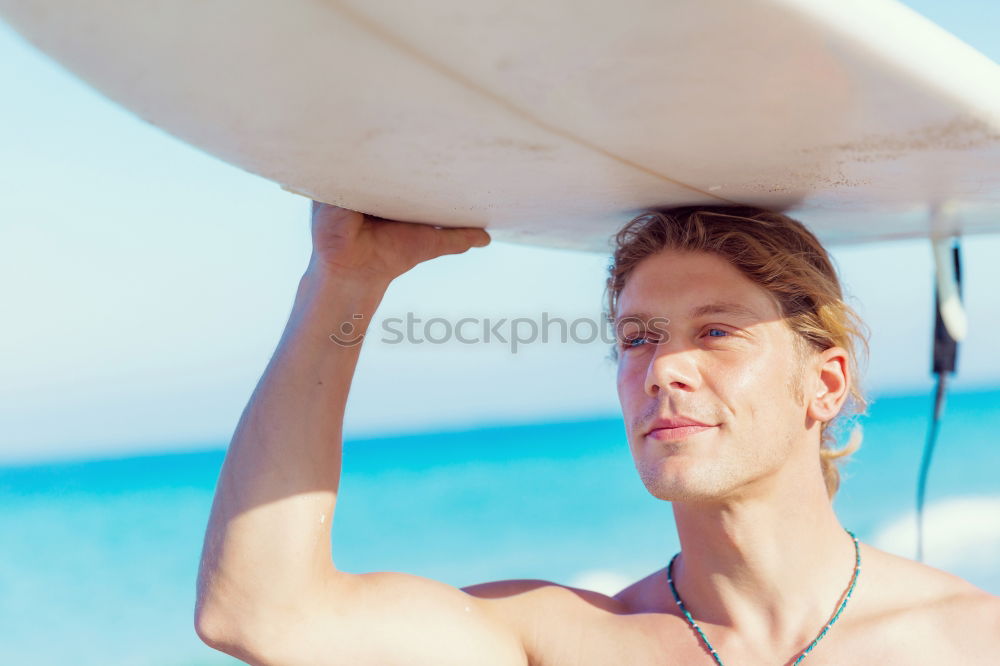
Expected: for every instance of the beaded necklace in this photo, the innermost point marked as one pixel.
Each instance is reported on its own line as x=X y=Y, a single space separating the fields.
x=715 y=655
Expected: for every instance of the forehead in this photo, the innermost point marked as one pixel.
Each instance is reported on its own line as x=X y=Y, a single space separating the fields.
x=676 y=283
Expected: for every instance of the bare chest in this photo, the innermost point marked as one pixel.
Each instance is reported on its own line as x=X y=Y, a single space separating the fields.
x=649 y=639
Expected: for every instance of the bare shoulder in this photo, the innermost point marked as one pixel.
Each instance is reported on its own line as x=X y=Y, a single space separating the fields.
x=556 y=623
x=907 y=580
x=934 y=610
x=645 y=595
x=534 y=593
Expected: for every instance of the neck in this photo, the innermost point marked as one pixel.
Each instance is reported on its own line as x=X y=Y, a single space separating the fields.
x=772 y=563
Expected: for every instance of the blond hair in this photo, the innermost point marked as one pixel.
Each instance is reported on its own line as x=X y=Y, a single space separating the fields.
x=782 y=256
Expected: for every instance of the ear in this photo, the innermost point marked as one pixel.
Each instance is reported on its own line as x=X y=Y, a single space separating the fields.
x=827 y=384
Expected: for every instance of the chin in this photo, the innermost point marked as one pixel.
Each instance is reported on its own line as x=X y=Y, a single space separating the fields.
x=675 y=485
x=678 y=494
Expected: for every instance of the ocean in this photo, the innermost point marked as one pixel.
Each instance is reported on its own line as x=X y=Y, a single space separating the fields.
x=99 y=558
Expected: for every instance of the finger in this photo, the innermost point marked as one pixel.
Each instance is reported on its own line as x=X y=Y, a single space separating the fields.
x=438 y=236
x=458 y=240
x=479 y=237
x=331 y=211
x=345 y=222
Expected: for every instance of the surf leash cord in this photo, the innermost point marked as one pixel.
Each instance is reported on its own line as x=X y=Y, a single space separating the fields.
x=949 y=328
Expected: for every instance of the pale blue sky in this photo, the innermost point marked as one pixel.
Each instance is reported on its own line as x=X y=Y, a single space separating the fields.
x=145 y=285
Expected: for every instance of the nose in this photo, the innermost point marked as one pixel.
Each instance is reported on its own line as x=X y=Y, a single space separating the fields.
x=672 y=368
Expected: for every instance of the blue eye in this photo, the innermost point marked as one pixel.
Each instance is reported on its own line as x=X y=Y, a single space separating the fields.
x=629 y=343
x=717 y=329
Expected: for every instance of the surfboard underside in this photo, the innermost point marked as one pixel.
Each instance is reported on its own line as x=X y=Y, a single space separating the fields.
x=554 y=123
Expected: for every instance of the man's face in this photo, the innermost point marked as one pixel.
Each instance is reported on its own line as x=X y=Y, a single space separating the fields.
x=736 y=371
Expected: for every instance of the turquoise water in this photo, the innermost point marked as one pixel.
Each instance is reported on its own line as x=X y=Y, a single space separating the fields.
x=99 y=558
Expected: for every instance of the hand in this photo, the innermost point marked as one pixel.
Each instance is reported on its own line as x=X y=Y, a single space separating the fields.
x=350 y=244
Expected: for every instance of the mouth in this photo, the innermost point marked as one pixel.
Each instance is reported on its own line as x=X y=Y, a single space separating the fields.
x=676 y=427
x=678 y=433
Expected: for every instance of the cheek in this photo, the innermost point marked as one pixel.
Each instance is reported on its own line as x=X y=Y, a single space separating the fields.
x=747 y=388
x=631 y=392
x=627 y=380
x=747 y=380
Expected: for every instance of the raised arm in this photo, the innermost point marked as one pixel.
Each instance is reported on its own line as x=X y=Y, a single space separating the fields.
x=268 y=589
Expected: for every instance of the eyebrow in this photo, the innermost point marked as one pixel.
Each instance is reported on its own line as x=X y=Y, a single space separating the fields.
x=732 y=309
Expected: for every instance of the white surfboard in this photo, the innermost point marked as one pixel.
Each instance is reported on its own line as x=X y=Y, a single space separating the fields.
x=554 y=122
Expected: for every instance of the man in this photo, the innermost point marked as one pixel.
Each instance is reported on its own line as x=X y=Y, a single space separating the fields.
x=736 y=355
